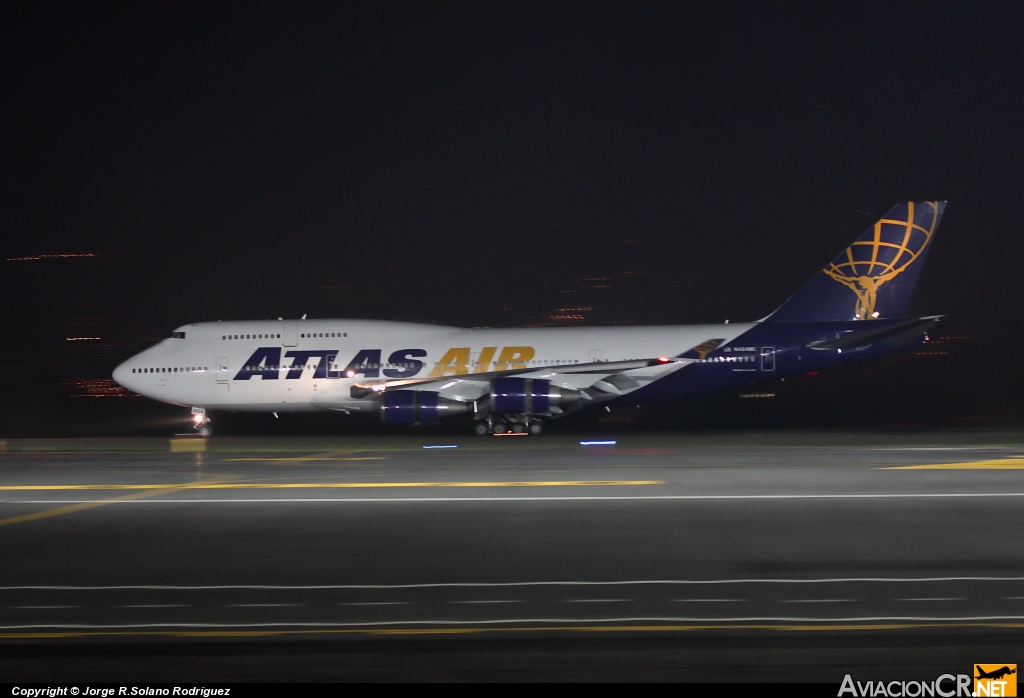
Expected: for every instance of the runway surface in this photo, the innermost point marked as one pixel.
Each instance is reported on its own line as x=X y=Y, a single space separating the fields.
x=498 y=559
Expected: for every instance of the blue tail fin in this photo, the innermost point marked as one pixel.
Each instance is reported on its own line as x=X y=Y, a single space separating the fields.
x=874 y=277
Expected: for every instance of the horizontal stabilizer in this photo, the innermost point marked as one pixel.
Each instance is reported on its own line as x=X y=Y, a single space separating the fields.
x=895 y=334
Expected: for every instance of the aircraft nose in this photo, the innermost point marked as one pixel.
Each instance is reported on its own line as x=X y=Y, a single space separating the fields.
x=121 y=374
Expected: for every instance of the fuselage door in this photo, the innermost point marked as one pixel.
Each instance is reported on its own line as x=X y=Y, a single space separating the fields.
x=767 y=358
x=290 y=336
x=222 y=372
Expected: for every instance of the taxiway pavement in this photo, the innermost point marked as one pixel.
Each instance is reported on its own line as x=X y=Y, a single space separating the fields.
x=727 y=539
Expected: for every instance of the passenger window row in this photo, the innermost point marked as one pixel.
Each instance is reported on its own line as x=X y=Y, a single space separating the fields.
x=333 y=367
x=193 y=369
x=200 y=369
x=305 y=335
x=251 y=336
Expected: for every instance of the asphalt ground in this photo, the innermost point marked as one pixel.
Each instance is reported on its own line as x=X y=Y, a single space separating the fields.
x=719 y=558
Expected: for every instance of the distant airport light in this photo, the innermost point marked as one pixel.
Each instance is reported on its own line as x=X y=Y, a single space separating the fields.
x=82 y=339
x=49 y=256
x=598 y=443
x=443 y=446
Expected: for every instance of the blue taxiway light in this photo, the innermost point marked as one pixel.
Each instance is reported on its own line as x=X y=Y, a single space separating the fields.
x=598 y=443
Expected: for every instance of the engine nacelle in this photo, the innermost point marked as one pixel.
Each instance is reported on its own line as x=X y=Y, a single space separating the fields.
x=417 y=407
x=529 y=395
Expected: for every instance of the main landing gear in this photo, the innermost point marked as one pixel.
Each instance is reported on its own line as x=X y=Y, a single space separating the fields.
x=510 y=424
x=200 y=422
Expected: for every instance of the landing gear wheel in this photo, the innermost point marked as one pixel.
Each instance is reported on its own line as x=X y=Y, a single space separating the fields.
x=499 y=427
x=481 y=429
x=518 y=428
x=536 y=428
x=201 y=422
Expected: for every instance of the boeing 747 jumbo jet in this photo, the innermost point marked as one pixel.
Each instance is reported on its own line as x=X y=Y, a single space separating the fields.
x=512 y=380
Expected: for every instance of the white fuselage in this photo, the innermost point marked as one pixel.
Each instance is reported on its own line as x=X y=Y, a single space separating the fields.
x=306 y=365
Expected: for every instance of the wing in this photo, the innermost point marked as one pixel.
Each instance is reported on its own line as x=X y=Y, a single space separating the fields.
x=596 y=382
x=584 y=384
x=570 y=386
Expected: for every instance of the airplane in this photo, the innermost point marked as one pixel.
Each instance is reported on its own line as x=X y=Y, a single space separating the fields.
x=513 y=380
x=995 y=673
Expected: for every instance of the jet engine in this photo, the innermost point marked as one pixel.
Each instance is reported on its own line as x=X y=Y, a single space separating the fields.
x=530 y=396
x=417 y=407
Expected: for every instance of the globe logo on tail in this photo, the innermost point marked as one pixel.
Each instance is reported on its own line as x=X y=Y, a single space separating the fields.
x=877 y=259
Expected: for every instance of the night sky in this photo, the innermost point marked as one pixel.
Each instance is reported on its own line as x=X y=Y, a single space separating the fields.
x=474 y=164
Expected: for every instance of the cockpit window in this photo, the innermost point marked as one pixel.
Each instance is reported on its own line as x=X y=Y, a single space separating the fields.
x=177 y=335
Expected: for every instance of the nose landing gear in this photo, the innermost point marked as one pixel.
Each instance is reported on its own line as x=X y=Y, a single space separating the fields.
x=200 y=422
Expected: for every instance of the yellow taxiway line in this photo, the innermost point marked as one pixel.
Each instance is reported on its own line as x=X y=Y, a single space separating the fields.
x=998 y=464
x=153 y=491
x=303 y=459
x=161 y=488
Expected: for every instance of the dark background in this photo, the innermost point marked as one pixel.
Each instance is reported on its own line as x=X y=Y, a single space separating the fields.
x=502 y=165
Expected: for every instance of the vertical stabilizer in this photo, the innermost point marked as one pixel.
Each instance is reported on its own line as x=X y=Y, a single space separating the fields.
x=874 y=277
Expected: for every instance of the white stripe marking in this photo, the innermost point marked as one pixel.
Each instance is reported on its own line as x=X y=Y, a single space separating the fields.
x=707 y=600
x=41 y=607
x=442 y=585
x=935 y=598
x=375 y=603
x=595 y=600
x=491 y=601
x=156 y=605
x=818 y=600
x=263 y=605
x=507 y=621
